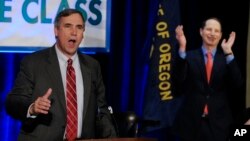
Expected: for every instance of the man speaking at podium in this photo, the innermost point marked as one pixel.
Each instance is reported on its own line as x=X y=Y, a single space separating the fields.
x=59 y=92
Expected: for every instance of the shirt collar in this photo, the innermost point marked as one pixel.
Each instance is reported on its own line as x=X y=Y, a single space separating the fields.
x=204 y=50
x=63 y=57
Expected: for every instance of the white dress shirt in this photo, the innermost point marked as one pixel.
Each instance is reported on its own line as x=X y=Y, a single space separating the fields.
x=79 y=83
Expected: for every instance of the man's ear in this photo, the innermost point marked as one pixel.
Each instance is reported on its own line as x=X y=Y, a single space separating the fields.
x=201 y=31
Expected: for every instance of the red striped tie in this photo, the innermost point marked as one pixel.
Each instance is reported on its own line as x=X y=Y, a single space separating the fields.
x=71 y=101
x=209 y=66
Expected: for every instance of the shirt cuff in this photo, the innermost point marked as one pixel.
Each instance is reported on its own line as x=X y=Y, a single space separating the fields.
x=229 y=58
x=182 y=54
x=28 y=114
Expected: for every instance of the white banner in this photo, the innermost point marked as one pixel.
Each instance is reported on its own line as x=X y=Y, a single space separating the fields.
x=27 y=25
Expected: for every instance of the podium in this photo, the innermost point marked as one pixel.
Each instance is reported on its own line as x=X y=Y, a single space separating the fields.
x=121 y=139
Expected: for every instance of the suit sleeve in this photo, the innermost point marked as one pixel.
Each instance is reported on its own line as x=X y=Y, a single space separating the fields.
x=234 y=74
x=104 y=122
x=180 y=70
x=19 y=98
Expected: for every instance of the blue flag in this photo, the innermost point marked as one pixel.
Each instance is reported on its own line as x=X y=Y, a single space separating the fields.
x=159 y=101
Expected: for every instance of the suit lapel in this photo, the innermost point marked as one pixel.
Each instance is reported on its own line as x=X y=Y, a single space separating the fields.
x=202 y=65
x=216 y=64
x=86 y=76
x=55 y=75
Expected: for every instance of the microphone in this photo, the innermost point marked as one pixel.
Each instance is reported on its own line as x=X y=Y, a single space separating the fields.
x=114 y=120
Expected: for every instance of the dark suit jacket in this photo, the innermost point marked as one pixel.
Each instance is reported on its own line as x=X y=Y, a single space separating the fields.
x=40 y=71
x=191 y=76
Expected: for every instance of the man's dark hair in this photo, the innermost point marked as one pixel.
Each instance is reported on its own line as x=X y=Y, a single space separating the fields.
x=211 y=18
x=65 y=13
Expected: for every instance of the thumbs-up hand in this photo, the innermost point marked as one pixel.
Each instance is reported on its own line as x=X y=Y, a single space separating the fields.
x=41 y=104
